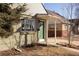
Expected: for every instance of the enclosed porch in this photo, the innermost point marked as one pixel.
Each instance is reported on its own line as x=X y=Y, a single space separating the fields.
x=52 y=30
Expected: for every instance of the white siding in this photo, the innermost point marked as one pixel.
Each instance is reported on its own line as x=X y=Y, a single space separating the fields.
x=35 y=8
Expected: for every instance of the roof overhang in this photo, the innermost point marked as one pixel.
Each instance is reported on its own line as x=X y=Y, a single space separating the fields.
x=51 y=17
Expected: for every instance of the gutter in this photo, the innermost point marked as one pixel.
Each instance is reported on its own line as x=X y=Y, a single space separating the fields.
x=44 y=8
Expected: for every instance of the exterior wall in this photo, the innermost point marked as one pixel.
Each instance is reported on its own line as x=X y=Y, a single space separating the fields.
x=64 y=30
x=10 y=42
x=13 y=41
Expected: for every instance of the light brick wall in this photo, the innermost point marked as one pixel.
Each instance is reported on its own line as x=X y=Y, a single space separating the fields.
x=64 y=31
x=13 y=40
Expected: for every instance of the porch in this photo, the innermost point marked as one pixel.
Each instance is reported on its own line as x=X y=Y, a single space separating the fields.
x=52 y=30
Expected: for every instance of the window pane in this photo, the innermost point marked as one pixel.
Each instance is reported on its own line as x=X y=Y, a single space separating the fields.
x=28 y=25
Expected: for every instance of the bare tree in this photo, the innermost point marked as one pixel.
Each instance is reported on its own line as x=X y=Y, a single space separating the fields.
x=69 y=14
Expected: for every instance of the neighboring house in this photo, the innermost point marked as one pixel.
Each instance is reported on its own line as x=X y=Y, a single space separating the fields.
x=51 y=25
x=75 y=28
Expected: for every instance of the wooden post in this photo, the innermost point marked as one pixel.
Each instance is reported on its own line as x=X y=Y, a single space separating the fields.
x=46 y=31
x=55 y=32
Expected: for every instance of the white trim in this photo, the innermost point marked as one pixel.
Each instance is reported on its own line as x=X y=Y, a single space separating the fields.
x=55 y=33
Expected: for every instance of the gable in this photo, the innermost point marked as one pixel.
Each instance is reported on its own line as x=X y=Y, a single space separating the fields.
x=31 y=8
x=35 y=8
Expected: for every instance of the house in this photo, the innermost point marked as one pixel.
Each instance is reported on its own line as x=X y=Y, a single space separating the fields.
x=51 y=26
x=54 y=26
x=19 y=38
x=75 y=27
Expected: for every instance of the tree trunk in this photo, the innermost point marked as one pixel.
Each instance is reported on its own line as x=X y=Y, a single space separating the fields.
x=70 y=35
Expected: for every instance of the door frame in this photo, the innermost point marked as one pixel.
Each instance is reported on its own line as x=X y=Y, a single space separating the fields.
x=43 y=31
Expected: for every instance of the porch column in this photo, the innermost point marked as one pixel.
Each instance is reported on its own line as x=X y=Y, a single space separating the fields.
x=46 y=31
x=55 y=32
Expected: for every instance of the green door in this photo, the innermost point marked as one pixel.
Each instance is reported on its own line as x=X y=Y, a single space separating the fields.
x=41 y=30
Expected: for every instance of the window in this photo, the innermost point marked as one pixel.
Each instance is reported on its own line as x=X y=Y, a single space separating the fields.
x=51 y=30
x=28 y=25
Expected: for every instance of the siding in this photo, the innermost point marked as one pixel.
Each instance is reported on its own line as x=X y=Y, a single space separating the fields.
x=12 y=41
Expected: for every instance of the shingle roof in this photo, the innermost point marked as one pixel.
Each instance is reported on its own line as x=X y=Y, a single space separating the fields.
x=53 y=15
x=60 y=17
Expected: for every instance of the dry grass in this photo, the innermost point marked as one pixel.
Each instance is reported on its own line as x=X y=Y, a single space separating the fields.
x=39 y=51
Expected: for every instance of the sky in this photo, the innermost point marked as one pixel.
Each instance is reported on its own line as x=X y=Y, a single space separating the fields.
x=54 y=7
x=60 y=8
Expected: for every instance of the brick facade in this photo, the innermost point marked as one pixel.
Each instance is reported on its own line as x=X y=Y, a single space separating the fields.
x=65 y=33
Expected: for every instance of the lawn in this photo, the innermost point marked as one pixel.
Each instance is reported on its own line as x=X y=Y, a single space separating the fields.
x=39 y=51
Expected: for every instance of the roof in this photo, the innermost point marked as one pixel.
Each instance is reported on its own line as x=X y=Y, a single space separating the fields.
x=74 y=21
x=35 y=8
x=53 y=16
x=58 y=16
x=31 y=8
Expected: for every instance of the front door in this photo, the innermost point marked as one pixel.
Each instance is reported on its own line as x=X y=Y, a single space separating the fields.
x=41 y=31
